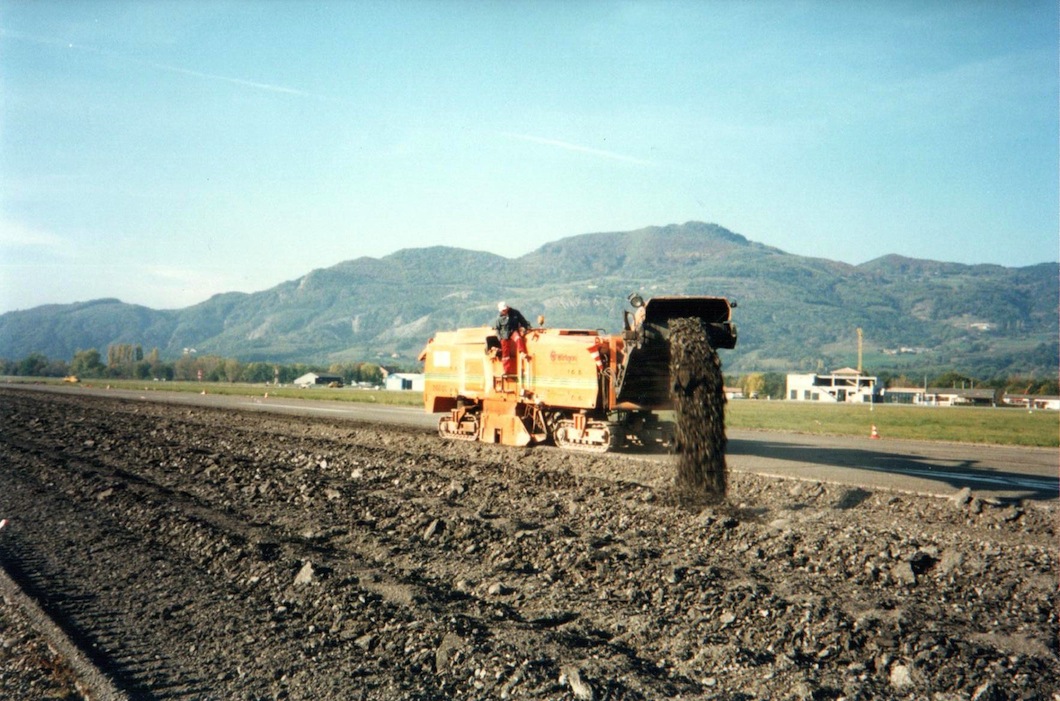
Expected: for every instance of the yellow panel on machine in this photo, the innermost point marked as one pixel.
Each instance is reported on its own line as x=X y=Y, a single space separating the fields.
x=579 y=388
x=464 y=375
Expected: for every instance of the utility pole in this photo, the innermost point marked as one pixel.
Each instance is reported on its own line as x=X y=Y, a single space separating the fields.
x=859 y=349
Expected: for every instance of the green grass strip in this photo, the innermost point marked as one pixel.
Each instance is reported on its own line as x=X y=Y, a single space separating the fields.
x=996 y=426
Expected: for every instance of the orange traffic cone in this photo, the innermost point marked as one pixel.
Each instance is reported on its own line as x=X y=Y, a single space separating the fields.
x=875 y=435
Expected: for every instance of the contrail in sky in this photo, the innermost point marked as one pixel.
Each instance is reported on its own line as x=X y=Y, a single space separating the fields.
x=228 y=79
x=580 y=149
x=48 y=41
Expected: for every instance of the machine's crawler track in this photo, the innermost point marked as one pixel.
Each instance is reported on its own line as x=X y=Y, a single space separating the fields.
x=592 y=437
x=459 y=426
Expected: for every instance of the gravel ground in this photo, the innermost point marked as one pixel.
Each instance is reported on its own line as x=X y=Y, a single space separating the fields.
x=197 y=553
x=29 y=667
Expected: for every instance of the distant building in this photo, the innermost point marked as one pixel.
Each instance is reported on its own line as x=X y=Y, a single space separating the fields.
x=903 y=395
x=1032 y=401
x=313 y=379
x=939 y=396
x=843 y=386
x=404 y=381
x=952 y=396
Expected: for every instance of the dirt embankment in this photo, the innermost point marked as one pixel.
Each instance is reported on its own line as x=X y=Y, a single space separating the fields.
x=204 y=554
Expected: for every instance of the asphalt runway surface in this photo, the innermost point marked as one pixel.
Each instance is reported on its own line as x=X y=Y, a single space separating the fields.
x=1006 y=473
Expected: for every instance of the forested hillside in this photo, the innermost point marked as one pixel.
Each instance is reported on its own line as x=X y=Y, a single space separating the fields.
x=795 y=313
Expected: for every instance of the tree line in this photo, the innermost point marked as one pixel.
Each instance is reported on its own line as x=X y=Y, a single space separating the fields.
x=128 y=361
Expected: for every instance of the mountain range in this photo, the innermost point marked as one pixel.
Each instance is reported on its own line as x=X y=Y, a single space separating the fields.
x=795 y=313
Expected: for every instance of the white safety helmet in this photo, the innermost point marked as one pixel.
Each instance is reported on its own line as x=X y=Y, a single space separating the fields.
x=502 y=306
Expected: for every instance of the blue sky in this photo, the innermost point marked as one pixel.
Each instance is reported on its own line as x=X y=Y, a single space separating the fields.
x=162 y=152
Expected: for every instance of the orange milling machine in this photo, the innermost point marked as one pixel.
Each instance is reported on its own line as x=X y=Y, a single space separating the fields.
x=581 y=389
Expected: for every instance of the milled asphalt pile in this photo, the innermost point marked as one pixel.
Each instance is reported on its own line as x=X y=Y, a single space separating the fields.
x=697 y=389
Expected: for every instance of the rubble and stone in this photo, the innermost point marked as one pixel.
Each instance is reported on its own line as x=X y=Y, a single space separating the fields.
x=182 y=581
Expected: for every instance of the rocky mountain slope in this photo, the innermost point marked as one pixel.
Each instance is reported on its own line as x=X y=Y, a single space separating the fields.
x=795 y=312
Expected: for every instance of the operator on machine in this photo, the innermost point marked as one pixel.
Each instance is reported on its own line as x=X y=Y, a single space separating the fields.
x=511 y=329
